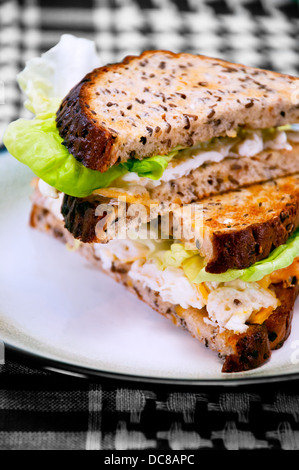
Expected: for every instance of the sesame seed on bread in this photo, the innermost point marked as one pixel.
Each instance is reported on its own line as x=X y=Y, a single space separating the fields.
x=151 y=103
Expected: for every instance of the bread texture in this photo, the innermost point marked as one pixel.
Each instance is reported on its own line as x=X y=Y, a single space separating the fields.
x=243 y=227
x=239 y=352
x=228 y=175
x=149 y=104
x=239 y=228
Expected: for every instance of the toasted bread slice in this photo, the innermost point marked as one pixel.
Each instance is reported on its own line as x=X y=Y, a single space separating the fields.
x=239 y=352
x=239 y=228
x=149 y=104
x=243 y=227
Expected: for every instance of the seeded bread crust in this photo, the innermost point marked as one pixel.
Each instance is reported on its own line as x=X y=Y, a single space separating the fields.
x=239 y=352
x=151 y=103
x=244 y=226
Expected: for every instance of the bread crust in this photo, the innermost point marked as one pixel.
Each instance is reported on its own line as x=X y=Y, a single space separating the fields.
x=254 y=98
x=241 y=352
x=279 y=324
x=80 y=217
x=242 y=248
x=257 y=228
x=253 y=348
x=90 y=143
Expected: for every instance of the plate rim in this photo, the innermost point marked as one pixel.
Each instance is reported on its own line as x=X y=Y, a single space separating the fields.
x=40 y=362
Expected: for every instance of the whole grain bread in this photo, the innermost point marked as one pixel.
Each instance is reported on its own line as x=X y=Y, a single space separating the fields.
x=239 y=352
x=239 y=228
x=244 y=226
x=151 y=103
x=229 y=174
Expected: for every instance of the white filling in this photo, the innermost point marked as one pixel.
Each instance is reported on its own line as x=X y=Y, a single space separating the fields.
x=47 y=191
x=52 y=200
x=171 y=283
x=251 y=146
x=177 y=170
x=229 y=305
x=125 y=251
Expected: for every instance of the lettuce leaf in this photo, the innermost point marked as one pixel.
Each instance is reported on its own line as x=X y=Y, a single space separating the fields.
x=176 y=256
x=280 y=258
x=152 y=167
x=37 y=144
x=194 y=266
x=47 y=79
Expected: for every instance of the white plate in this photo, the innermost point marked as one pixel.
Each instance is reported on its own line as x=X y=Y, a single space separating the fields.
x=56 y=308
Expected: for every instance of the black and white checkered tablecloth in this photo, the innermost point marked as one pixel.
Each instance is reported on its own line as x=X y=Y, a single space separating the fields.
x=42 y=410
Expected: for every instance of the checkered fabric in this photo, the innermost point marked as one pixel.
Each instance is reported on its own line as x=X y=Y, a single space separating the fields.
x=42 y=410
x=261 y=33
x=39 y=410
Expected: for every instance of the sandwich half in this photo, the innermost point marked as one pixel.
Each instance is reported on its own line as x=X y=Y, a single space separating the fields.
x=177 y=175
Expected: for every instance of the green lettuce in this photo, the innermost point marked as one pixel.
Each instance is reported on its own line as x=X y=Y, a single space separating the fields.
x=152 y=167
x=177 y=255
x=37 y=144
x=194 y=266
x=47 y=79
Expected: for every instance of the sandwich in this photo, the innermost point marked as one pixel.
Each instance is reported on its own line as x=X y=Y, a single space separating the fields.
x=178 y=176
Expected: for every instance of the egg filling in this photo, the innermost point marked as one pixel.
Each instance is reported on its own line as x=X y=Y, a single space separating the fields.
x=229 y=305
